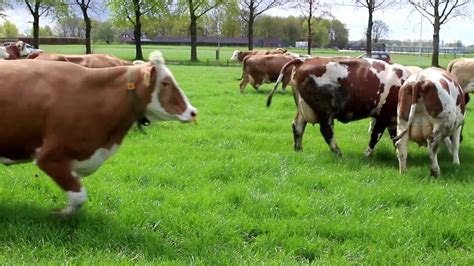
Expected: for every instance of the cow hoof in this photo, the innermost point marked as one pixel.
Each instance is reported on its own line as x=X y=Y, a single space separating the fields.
x=298 y=149
x=63 y=214
x=368 y=152
x=435 y=172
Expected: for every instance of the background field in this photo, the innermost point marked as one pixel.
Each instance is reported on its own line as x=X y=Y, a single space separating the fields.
x=231 y=190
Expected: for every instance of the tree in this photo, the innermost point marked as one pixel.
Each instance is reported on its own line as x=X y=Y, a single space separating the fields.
x=379 y=30
x=198 y=8
x=38 y=9
x=231 y=26
x=132 y=11
x=84 y=6
x=70 y=26
x=372 y=6
x=10 y=30
x=104 y=31
x=46 y=31
x=250 y=10
x=438 y=13
x=309 y=8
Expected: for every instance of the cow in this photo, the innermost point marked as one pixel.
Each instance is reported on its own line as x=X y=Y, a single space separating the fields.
x=238 y=55
x=431 y=108
x=70 y=119
x=345 y=89
x=259 y=69
x=462 y=69
x=15 y=51
x=88 y=60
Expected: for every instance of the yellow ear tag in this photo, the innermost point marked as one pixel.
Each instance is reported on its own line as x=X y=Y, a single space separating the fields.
x=130 y=86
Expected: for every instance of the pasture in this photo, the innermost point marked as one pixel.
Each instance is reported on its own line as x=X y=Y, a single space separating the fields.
x=231 y=190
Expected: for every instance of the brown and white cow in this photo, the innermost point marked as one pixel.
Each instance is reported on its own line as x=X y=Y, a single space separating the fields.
x=70 y=119
x=88 y=60
x=260 y=69
x=238 y=55
x=431 y=108
x=15 y=51
x=462 y=69
x=345 y=89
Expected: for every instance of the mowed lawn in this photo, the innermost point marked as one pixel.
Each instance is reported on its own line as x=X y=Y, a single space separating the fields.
x=231 y=190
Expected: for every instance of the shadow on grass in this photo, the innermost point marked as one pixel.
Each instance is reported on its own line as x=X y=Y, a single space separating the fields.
x=26 y=227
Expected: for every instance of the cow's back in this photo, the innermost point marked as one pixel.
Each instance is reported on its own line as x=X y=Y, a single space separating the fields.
x=269 y=65
x=44 y=100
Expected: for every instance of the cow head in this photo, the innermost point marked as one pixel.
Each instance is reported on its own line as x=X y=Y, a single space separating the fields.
x=22 y=48
x=235 y=55
x=168 y=101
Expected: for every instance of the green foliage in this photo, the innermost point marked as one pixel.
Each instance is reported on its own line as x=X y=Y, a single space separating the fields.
x=123 y=10
x=104 y=31
x=231 y=190
x=46 y=31
x=9 y=30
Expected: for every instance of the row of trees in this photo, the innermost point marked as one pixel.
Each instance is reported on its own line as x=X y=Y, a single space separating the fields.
x=138 y=13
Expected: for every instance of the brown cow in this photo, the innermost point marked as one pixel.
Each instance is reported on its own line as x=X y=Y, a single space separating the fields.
x=70 y=119
x=347 y=90
x=259 y=69
x=431 y=107
x=462 y=69
x=240 y=55
x=15 y=51
x=88 y=60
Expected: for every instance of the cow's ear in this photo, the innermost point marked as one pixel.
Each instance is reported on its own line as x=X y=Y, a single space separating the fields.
x=149 y=77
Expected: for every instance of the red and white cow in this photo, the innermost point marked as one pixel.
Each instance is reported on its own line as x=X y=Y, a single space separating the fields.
x=345 y=89
x=238 y=55
x=15 y=51
x=72 y=118
x=431 y=108
x=88 y=60
x=260 y=69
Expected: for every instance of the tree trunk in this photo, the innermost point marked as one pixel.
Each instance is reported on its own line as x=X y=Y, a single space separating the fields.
x=250 y=29
x=435 y=55
x=193 y=30
x=36 y=30
x=368 y=48
x=137 y=32
x=310 y=36
x=87 y=20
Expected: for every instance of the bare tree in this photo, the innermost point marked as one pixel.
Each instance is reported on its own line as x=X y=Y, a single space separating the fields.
x=197 y=8
x=380 y=30
x=309 y=8
x=250 y=9
x=85 y=6
x=438 y=13
x=372 y=6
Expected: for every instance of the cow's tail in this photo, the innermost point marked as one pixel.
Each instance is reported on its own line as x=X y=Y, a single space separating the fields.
x=414 y=100
x=294 y=63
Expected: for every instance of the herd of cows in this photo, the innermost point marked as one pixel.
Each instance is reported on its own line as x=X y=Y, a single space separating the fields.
x=47 y=109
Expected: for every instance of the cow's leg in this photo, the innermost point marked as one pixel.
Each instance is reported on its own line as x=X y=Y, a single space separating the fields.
x=244 y=82
x=402 y=151
x=433 y=145
x=449 y=144
x=256 y=82
x=326 y=126
x=298 y=125
x=60 y=170
x=456 y=144
x=378 y=127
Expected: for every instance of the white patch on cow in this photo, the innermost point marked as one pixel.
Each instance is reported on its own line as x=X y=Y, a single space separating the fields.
x=334 y=71
x=469 y=87
x=388 y=78
x=154 y=110
x=89 y=166
x=235 y=55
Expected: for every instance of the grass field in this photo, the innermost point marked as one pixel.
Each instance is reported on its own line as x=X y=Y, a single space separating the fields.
x=231 y=190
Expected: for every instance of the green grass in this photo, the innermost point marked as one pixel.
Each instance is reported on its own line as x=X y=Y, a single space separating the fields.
x=231 y=190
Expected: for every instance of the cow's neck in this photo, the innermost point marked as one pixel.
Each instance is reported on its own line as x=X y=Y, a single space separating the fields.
x=13 y=51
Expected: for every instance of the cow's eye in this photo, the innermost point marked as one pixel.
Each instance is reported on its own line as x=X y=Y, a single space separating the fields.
x=165 y=83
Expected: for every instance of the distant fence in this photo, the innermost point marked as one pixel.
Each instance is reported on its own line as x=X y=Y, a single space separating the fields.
x=427 y=50
x=54 y=40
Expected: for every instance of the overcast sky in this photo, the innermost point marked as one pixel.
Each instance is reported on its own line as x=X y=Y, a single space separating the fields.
x=403 y=23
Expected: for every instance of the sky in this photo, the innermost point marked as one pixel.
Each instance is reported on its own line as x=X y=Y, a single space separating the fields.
x=403 y=23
